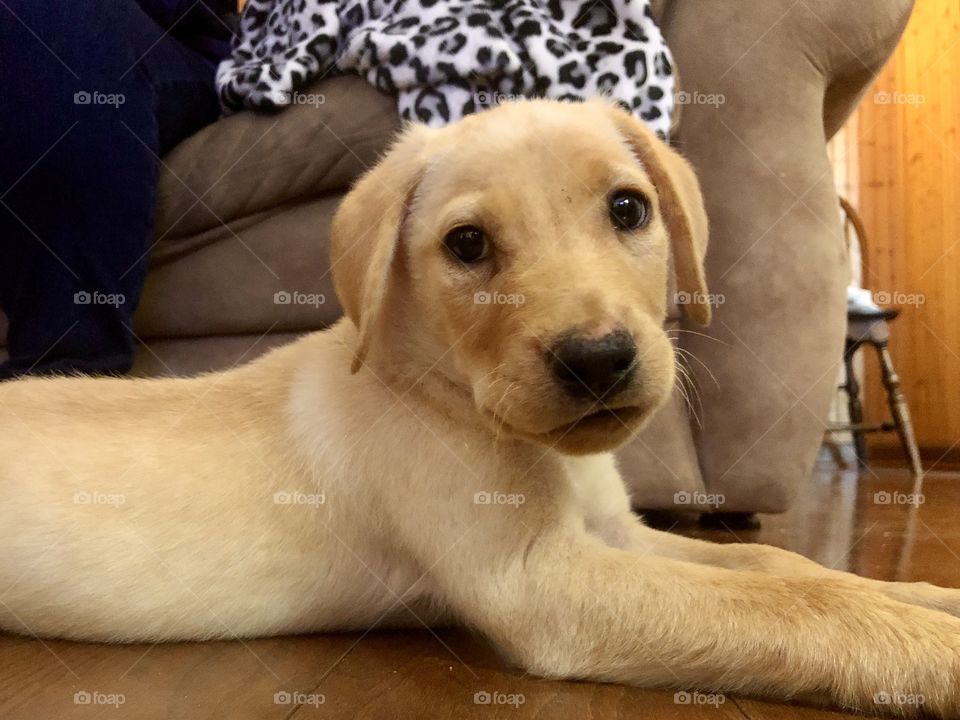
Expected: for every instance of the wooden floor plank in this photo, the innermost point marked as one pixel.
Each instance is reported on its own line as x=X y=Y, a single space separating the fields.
x=398 y=675
x=760 y=710
x=183 y=680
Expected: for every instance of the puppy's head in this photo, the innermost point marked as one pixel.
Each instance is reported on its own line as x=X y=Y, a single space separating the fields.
x=523 y=253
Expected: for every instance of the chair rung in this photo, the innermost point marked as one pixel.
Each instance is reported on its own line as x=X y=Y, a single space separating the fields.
x=883 y=427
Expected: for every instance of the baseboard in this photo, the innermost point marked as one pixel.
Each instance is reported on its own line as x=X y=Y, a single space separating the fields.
x=891 y=454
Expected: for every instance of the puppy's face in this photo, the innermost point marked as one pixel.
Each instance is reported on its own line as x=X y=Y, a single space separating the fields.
x=526 y=259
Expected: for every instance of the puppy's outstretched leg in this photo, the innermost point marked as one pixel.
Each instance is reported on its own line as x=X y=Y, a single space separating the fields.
x=536 y=578
x=575 y=608
x=775 y=561
x=606 y=508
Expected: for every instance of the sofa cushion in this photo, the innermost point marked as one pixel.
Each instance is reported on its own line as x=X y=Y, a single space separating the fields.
x=247 y=163
x=243 y=212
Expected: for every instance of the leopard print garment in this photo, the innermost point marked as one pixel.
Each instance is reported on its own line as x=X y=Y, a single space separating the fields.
x=444 y=60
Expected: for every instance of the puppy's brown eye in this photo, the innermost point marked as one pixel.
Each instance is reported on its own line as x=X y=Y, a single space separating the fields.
x=467 y=244
x=629 y=210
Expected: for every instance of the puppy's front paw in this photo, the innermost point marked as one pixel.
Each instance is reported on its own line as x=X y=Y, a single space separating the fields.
x=919 y=675
x=932 y=597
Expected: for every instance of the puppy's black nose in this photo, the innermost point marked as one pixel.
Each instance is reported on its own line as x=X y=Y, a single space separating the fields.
x=594 y=368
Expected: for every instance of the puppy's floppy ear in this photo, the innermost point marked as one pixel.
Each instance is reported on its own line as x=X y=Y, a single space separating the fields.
x=681 y=204
x=365 y=236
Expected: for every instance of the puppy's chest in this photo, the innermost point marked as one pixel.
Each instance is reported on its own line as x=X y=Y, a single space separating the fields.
x=600 y=498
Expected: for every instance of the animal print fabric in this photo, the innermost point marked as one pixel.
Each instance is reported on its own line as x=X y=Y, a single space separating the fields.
x=444 y=60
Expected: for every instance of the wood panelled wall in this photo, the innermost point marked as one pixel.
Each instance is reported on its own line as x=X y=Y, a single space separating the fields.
x=909 y=195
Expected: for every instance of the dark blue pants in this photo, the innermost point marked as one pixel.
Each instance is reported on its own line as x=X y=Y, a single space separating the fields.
x=92 y=93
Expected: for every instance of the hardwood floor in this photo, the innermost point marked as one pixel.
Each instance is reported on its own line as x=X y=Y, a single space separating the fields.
x=839 y=519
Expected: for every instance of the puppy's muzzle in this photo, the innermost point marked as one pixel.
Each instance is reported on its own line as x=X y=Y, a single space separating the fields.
x=594 y=368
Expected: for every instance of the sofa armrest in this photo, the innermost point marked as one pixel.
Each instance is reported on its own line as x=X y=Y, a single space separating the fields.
x=767 y=81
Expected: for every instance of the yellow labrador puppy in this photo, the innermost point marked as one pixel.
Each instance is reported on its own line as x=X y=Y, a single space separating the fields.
x=442 y=453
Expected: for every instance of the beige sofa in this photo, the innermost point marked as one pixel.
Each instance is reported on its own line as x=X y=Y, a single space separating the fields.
x=245 y=206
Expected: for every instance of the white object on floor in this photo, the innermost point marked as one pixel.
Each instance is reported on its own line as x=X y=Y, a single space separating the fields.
x=860 y=299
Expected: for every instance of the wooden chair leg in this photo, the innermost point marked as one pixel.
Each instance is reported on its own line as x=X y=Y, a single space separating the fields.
x=899 y=410
x=835 y=453
x=854 y=406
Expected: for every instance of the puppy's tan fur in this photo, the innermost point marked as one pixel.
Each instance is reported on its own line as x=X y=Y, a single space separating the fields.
x=141 y=510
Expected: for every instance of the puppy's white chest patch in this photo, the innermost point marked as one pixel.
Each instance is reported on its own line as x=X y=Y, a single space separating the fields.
x=601 y=497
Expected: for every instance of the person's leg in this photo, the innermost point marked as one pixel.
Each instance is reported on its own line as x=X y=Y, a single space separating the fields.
x=92 y=93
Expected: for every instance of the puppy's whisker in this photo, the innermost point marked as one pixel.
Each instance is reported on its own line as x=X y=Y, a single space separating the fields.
x=700 y=334
x=686 y=399
x=680 y=381
x=684 y=372
x=498 y=417
x=688 y=355
x=687 y=387
x=691 y=406
x=495 y=371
